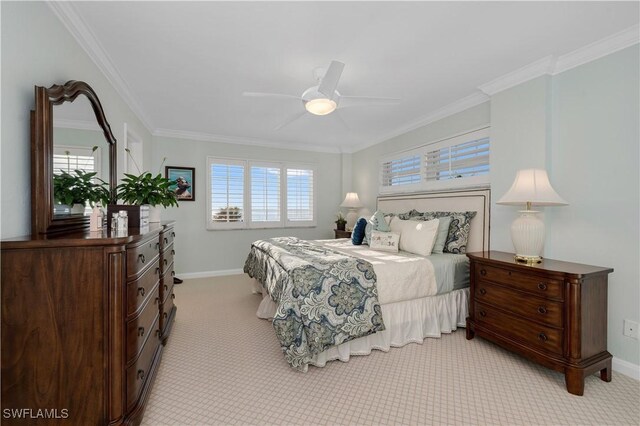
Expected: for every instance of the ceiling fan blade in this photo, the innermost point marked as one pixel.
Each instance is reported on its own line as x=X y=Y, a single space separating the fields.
x=330 y=80
x=290 y=120
x=351 y=101
x=269 y=95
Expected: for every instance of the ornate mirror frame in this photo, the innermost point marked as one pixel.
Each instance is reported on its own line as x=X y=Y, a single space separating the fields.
x=42 y=218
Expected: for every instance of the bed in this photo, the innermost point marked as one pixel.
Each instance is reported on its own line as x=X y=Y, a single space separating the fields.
x=412 y=297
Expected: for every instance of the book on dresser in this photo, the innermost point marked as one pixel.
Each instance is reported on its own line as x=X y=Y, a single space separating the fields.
x=553 y=313
x=84 y=319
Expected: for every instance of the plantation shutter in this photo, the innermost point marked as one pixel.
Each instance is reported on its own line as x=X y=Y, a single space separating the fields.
x=300 y=195
x=227 y=191
x=265 y=194
x=68 y=159
x=401 y=171
x=463 y=160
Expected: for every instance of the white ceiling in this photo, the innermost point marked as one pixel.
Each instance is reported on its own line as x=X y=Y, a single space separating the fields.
x=186 y=64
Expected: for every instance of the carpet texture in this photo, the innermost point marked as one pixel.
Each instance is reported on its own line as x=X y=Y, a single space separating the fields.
x=223 y=366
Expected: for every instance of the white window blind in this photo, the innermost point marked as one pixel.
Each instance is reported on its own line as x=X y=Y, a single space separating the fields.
x=401 y=171
x=254 y=194
x=300 y=195
x=458 y=161
x=227 y=192
x=265 y=194
x=70 y=158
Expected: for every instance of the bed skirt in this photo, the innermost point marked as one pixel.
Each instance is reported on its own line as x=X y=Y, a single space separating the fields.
x=410 y=321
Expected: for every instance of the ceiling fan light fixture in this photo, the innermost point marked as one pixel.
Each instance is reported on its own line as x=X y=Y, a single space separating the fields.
x=320 y=106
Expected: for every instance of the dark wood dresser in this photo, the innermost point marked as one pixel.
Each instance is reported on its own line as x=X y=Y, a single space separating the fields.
x=553 y=313
x=84 y=316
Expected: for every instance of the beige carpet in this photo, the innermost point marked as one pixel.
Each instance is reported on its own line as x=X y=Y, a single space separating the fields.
x=222 y=365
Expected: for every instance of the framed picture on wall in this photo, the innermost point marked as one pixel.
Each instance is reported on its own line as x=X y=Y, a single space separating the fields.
x=185 y=182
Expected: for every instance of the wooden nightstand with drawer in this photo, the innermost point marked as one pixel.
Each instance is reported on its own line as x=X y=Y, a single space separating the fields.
x=342 y=234
x=553 y=313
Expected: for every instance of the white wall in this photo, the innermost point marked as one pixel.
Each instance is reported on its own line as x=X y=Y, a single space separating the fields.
x=201 y=251
x=38 y=50
x=595 y=166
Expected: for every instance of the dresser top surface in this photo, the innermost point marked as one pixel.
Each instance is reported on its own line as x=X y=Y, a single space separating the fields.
x=547 y=265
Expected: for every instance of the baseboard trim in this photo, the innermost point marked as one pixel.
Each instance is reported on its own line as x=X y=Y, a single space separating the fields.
x=207 y=274
x=625 y=367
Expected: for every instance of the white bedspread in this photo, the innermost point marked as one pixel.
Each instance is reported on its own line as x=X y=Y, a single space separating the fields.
x=416 y=273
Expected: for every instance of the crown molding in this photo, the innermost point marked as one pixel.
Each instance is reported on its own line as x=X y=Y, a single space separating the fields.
x=67 y=14
x=597 y=50
x=236 y=140
x=450 y=109
x=528 y=72
x=62 y=123
x=552 y=65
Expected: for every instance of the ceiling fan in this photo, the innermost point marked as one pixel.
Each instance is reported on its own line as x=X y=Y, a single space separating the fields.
x=324 y=98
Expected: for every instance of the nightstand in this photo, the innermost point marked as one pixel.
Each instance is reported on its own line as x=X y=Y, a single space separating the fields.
x=553 y=313
x=342 y=234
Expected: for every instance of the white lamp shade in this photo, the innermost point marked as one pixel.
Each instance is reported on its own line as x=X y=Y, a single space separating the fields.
x=532 y=186
x=351 y=201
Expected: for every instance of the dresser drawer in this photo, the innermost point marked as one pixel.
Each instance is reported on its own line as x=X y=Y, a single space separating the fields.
x=527 y=332
x=532 y=308
x=166 y=258
x=539 y=286
x=139 y=372
x=167 y=306
x=166 y=238
x=141 y=256
x=140 y=327
x=139 y=290
x=166 y=288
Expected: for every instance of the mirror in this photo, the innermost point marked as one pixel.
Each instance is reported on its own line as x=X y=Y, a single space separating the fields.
x=69 y=131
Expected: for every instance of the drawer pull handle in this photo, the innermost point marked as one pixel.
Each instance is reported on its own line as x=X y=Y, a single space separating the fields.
x=173 y=273
x=142 y=258
x=155 y=302
x=173 y=252
x=542 y=309
x=157 y=245
x=166 y=241
x=483 y=291
x=542 y=337
x=165 y=262
x=483 y=314
x=542 y=286
x=157 y=271
x=164 y=315
x=158 y=333
x=173 y=234
x=140 y=331
x=483 y=272
x=141 y=291
x=166 y=288
x=141 y=374
x=173 y=296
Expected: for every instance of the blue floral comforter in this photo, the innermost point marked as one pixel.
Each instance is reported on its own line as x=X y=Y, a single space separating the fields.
x=323 y=297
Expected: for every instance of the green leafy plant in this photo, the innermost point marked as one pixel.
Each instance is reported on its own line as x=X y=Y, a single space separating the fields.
x=146 y=188
x=340 y=219
x=79 y=187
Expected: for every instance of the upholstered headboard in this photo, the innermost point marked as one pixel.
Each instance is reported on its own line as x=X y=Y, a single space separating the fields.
x=478 y=200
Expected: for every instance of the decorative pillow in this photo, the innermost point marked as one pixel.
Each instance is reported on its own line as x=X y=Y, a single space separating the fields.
x=384 y=241
x=378 y=222
x=458 y=234
x=408 y=215
x=358 y=231
x=416 y=236
x=443 y=233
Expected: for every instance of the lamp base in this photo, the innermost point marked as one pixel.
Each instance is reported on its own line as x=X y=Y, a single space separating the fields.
x=529 y=260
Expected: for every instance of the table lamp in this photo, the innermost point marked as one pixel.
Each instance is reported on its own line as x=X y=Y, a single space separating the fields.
x=352 y=202
x=531 y=188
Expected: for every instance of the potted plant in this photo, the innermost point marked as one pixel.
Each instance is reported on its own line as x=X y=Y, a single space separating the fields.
x=78 y=188
x=340 y=222
x=146 y=188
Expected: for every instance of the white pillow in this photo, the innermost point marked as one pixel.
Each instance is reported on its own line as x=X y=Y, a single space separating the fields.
x=416 y=236
x=384 y=241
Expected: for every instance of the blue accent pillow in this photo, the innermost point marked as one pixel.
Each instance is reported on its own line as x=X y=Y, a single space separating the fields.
x=358 y=231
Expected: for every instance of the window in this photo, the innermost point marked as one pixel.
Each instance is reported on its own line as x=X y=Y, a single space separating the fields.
x=70 y=158
x=455 y=162
x=254 y=194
